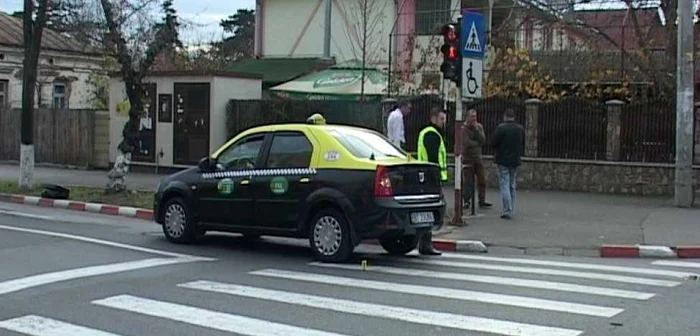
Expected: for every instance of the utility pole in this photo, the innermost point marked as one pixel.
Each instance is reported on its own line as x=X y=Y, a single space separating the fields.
x=327 y=31
x=683 y=193
x=364 y=49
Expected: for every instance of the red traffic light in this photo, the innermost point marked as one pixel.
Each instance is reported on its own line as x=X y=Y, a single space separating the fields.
x=449 y=51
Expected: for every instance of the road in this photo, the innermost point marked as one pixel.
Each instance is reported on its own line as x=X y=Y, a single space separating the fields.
x=65 y=273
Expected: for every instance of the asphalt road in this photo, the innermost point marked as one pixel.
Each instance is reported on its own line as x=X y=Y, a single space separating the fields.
x=64 y=273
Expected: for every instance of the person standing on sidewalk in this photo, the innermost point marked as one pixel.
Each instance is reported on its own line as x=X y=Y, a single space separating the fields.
x=473 y=138
x=395 y=125
x=509 y=145
x=431 y=147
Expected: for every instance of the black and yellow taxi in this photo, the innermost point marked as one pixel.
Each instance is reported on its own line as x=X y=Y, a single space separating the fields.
x=334 y=185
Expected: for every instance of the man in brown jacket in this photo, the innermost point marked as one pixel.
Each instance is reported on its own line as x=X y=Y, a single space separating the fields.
x=473 y=138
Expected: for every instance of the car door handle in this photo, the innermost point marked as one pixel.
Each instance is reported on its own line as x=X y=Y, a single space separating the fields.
x=245 y=182
x=304 y=180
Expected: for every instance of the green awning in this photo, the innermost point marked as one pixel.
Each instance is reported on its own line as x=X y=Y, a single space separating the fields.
x=279 y=69
x=336 y=83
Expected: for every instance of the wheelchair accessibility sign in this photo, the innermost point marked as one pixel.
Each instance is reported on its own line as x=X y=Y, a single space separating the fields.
x=472 y=77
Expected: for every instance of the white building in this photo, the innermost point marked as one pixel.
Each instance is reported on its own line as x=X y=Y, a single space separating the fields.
x=64 y=68
x=295 y=28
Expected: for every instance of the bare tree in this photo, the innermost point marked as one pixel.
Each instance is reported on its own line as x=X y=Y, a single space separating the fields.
x=136 y=41
x=33 y=30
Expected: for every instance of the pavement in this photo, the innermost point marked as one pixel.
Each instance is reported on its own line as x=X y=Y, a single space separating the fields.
x=78 y=274
x=545 y=222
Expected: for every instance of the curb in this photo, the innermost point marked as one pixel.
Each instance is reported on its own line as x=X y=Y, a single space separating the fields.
x=473 y=246
x=105 y=209
x=649 y=251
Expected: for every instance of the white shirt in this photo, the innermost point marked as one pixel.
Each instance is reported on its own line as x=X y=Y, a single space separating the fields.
x=394 y=126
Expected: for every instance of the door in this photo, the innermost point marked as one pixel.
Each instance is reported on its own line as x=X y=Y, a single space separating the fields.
x=225 y=195
x=146 y=145
x=286 y=180
x=191 y=129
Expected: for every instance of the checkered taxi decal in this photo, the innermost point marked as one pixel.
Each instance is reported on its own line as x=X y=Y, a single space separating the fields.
x=260 y=172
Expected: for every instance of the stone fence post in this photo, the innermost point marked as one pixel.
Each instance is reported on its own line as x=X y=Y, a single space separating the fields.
x=613 y=129
x=532 y=132
x=696 y=149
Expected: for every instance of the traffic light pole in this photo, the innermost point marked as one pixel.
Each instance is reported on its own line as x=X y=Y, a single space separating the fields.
x=459 y=117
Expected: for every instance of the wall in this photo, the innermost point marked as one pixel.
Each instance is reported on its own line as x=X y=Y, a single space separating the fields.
x=75 y=67
x=222 y=90
x=100 y=156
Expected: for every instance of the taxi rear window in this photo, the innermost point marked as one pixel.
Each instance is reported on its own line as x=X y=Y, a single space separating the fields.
x=364 y=143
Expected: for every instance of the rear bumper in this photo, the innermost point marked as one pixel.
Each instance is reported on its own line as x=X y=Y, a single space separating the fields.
x=391 y=216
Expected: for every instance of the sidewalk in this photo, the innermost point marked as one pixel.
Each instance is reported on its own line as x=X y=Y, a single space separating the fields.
x=554 y=222
x=546 y=222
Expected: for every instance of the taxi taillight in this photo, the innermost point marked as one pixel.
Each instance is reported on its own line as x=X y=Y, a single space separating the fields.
x=382 y=183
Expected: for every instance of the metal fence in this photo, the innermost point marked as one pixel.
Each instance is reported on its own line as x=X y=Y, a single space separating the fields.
x=648 y=132
x=573 y=128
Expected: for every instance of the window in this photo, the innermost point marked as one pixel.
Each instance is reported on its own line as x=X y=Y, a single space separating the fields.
x=431 y=15
x=290 y=150
x=59 y=95
x=365 y=143
x=241 y=155
x=4 y=90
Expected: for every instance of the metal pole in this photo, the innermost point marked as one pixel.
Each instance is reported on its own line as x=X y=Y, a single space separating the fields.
x=457 y=220
x=327 y=31
x=683 y=195
x=391 y=67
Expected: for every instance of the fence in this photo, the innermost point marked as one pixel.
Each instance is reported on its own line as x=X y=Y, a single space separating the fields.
x=571 y=128
x=65 y=137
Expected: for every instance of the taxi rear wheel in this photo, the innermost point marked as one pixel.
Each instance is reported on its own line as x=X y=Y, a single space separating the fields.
x=178 y=224
x=399 y=245
x=329 y=236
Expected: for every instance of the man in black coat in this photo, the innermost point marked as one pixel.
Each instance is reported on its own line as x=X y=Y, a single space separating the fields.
x=508 y=142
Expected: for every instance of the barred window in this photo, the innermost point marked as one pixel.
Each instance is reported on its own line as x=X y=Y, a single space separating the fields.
x=431 y=15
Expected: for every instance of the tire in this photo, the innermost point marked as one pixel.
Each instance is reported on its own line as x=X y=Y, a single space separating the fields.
x=178 y=223
x=399 y=245
x=329 y=236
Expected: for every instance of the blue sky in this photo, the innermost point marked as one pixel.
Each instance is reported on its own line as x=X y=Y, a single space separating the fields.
x=206 y=14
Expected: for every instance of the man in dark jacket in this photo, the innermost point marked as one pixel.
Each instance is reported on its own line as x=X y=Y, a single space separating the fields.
x=473 y=139
x=431 y=148
x=509 y=145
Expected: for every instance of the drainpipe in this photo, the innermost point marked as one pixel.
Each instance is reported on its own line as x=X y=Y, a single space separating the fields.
x=327 y=31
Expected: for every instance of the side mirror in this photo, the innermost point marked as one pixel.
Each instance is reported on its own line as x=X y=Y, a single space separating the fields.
x=207 y=164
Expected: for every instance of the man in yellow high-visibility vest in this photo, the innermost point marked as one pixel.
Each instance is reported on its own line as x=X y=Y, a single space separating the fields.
x=431 y=148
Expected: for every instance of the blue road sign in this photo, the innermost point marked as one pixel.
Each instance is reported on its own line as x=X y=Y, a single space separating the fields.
x=473 y=35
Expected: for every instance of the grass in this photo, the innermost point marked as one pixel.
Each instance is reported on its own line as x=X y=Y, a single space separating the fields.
x=132 y=198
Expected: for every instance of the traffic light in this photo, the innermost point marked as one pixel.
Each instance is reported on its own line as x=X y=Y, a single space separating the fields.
x=452 y=57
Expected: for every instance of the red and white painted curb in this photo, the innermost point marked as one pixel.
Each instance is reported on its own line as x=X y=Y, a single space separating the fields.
x=106 y=209
x=649 y=251
x=473 y=246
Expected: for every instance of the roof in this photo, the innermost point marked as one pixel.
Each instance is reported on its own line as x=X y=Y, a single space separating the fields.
x=617 y=25
x=195 y=73
x=11 y=34
x=279 y=70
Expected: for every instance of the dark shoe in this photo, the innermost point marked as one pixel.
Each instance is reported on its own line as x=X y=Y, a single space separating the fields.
x=506 y=217
x=485 y=204
x=429 y=251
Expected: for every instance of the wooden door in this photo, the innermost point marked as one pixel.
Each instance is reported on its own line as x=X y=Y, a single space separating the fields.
x=145 y=150
x=191 y=128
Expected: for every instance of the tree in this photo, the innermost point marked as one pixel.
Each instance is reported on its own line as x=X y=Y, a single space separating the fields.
x=242 y=26
x=33 y=30
x=135 y=57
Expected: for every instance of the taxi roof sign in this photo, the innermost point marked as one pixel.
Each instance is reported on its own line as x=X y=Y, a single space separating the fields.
x=316 y=119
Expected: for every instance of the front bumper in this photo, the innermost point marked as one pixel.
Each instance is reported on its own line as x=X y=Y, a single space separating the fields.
x=391 y=216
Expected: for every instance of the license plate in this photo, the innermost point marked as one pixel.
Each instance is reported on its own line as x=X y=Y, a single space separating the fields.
x=422 y=217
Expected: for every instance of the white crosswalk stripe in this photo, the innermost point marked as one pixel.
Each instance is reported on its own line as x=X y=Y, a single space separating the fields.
x=431 y=281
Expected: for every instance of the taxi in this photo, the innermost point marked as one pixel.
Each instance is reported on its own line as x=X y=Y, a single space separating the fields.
x=334 y=185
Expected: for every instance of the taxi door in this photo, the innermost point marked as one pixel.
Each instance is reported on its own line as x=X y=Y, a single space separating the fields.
x=225 y=196
x=286 y=182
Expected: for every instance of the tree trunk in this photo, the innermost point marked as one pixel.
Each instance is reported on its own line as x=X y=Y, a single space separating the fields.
x=32 y=47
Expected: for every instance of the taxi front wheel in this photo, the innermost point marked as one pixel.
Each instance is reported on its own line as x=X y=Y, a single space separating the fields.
x=399 y=245
x=329 y=236
x=178 y=225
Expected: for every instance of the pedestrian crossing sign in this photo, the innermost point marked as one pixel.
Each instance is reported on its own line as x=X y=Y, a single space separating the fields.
x=473 y=35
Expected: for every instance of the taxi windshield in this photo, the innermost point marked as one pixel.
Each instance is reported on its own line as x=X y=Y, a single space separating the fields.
x=365 y=143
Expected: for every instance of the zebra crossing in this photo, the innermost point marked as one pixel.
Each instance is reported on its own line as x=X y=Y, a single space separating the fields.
x=590 y=291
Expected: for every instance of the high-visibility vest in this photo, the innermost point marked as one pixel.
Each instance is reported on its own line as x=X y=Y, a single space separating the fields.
x=442 y=154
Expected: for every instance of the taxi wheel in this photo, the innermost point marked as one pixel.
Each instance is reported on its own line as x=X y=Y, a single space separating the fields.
x=178 y=225
x=399 y=245
x=329 y=236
